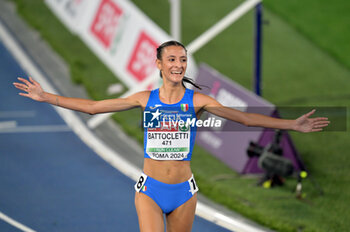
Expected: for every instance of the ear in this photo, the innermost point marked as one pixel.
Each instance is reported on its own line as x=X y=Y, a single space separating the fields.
x=159 y=64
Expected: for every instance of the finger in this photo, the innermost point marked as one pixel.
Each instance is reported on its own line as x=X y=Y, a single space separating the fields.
x=320 y=126
x=322 y=122
x=316 y=130
x=24 y=94
x=17 y=85
x=21 y=86
x=33 y=81
x=310 y=113
x=320 y=119
x=24 y=80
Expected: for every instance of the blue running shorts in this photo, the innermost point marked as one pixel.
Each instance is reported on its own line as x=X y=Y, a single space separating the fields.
x=167 y=196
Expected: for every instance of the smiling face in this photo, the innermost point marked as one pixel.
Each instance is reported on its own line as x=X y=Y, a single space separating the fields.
x=173 y=63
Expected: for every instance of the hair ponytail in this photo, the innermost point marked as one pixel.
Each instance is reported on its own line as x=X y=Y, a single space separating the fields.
x=190 y=81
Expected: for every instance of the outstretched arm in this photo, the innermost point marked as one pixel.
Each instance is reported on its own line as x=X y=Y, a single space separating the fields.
x=33 y=90
x=301 y=124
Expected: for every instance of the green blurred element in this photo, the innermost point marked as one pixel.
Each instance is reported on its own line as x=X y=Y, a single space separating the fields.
x=305 y=63
x=303 y=174
x=323 y=22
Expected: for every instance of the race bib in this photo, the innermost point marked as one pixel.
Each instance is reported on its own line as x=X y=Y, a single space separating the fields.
x=168 y=142
x=193 y=185
x=140 y=183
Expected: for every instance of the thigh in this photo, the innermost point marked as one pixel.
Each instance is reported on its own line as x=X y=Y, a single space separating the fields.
x=149 y=214
x=181 y=219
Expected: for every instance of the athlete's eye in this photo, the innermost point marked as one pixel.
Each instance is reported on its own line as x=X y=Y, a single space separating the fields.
x=172 y=59
x=184 y=60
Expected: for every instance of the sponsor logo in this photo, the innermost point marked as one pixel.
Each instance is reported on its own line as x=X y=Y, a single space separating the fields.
x=72 y=7
x=105 y=22
x=155 y=106
x=142 y=62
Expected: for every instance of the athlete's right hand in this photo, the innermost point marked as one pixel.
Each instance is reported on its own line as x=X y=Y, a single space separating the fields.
x=31 y=88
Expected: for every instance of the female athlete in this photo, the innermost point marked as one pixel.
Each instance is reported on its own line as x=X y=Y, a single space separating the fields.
x=167 y=185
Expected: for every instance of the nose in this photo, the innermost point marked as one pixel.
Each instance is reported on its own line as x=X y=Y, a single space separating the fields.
x=177 y=63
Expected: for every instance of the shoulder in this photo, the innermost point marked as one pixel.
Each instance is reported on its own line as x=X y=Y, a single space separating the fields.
x=141 y=97
x=145 y=93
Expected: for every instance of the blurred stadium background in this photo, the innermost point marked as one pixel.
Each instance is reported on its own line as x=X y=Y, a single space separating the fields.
x=305 y=62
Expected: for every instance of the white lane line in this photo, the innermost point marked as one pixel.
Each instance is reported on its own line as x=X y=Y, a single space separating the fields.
x=7 y=124
x=35 y=129
x=233 y=224
x=17 y=114
x=15 y=223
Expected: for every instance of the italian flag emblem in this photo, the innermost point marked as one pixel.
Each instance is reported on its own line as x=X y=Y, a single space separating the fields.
x=184 y=107
x=144 y=188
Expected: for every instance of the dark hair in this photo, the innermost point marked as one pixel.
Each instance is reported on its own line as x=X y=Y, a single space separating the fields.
x=159 y=57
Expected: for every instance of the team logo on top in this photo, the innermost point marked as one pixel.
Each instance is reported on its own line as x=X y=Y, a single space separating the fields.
x=184 y=107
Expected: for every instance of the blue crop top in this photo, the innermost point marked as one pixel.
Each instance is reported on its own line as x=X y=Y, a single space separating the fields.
x=170 y=129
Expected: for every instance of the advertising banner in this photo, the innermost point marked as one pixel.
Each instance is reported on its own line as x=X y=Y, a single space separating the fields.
x=121 y=35
x=70 y=12
x=230 y=142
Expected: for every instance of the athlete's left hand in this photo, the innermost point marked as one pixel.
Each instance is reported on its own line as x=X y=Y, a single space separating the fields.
x=306 y=124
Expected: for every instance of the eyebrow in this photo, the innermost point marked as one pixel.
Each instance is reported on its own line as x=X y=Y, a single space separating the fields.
x=170 y=56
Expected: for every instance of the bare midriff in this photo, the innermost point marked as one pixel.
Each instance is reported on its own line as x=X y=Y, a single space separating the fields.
x=168 y=171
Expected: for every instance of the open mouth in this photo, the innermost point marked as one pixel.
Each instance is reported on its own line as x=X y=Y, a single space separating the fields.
x=176 y=72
